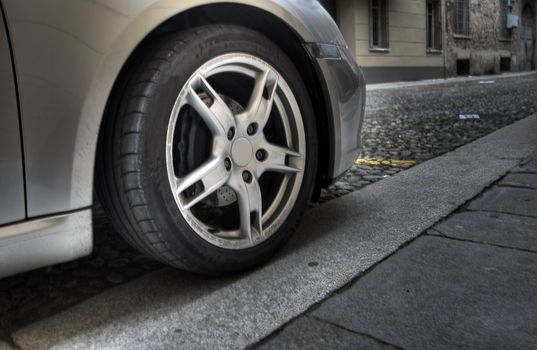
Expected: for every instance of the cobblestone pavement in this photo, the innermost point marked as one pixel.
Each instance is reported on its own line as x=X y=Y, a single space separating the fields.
x=403 y=127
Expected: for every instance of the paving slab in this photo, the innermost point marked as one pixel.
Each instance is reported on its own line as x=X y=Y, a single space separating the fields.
x=439 y=293
x=520 y=180
x=336 y=242
x=307 y=333
x=518 y=201
x=493 y=228
x=529 y=165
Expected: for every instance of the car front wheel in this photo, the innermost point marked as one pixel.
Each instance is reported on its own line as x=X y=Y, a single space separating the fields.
x=209 y=152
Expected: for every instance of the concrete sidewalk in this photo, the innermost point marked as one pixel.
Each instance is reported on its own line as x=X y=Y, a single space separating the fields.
x=336 y=243
x=470 y=282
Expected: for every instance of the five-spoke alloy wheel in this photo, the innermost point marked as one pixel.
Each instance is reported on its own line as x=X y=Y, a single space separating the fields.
x=240 y=153
x=210 y=154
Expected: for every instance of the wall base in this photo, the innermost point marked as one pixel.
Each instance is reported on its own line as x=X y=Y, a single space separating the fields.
x=375 y=75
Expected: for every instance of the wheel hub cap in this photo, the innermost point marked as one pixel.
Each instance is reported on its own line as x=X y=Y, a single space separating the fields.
x=242 y=152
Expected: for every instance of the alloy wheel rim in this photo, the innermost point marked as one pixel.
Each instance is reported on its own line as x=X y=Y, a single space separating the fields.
x=246 y=153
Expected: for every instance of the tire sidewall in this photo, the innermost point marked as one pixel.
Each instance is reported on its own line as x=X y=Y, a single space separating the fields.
x=173 y=75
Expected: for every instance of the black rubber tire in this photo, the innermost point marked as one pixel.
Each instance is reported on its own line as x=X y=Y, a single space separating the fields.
x=131 y=171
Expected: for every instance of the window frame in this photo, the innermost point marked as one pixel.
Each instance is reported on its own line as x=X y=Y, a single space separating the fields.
x=462 y=25
x=383 y=26
x=434 y=42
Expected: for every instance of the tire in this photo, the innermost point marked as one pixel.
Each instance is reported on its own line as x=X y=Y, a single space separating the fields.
x=212 y=123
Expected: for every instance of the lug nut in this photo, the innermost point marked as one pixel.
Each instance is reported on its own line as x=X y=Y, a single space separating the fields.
x=252 y=129
x=246 y=176
x=227 y=163
x=261 y=155
x=231 y=133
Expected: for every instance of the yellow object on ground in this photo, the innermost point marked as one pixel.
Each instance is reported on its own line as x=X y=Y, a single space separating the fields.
x=386 y=162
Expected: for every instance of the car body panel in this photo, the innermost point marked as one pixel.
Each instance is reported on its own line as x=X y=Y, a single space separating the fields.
x=46 y=241
x=346 y=90
x=66 y=68
x=12 y=207
x=68 y=55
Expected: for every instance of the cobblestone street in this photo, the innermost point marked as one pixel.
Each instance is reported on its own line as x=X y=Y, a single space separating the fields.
x=403 y=127
x=419 y=123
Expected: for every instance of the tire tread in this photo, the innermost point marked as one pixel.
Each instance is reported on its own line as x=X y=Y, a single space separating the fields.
x=119 y=170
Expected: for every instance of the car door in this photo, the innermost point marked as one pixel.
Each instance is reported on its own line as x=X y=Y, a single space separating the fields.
x=12 y=206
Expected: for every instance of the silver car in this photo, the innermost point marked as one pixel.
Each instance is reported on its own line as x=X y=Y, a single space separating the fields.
x=204 y=127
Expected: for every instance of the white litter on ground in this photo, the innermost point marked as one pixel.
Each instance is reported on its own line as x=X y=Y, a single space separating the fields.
x=469 y=116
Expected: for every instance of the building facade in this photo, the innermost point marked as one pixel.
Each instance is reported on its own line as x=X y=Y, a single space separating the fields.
x=489 y=36
x=390 y=40
x=396 y=40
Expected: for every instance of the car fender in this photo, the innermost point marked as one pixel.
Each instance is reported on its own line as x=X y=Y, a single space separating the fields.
x=68 y=55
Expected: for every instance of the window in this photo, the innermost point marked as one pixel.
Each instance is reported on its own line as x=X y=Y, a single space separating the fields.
x=434 y=25
x=505 y=33
x=378 y=24
x=463 y=17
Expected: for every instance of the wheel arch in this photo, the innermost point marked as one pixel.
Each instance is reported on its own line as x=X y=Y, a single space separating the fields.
x=289 y=38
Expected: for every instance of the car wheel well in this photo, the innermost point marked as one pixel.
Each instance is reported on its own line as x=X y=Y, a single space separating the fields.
x=274 y=29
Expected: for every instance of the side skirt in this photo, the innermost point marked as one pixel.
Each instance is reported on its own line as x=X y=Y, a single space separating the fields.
x=47 y=241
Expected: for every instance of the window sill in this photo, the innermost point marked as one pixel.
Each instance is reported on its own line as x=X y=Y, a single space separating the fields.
x=434 y=52
x=462 y=36
x=379 y=49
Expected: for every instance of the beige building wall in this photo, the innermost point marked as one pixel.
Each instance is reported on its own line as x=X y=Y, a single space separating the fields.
x=407 y=57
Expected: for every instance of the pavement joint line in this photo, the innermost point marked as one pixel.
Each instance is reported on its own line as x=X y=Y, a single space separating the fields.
x=515 y=186
x=525 y=172
x=271 y=336
x=473 y=168
x=521 y=159
x=491 y=186
x=464 y=207
x=501 y=212
x=383 y=342
x=526 y=161
x=481 y=243
x=438 y=232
